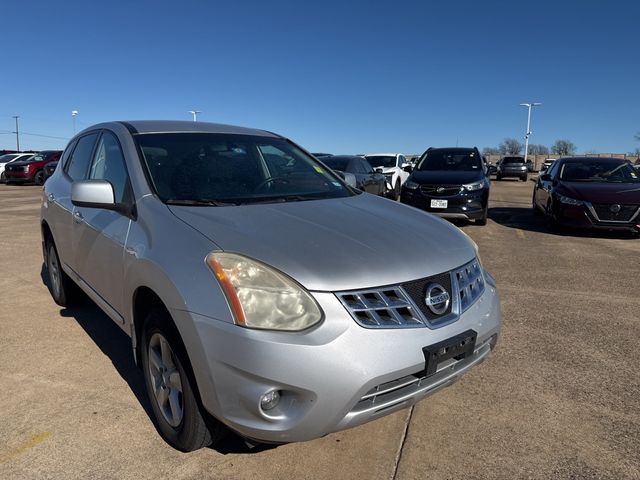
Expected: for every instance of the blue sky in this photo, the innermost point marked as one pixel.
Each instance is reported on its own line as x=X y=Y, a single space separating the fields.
x=342 y=77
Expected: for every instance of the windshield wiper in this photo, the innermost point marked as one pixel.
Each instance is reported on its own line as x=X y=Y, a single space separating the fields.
x=280 y=199
x=200 y=202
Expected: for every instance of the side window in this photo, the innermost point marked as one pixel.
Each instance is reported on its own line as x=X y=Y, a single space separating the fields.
x=401 y=160
x=356 y=166
x=67 y=154
x=78 y=164
x=108 y=164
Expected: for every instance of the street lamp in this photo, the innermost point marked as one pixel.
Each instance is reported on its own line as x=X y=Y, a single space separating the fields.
x=74 y=114
x=526 y=136
x=195 y=114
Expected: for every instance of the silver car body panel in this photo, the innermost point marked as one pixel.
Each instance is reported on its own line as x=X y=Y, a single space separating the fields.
x=327 y=246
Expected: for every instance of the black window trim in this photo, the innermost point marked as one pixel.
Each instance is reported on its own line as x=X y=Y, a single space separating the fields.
x=66 y=166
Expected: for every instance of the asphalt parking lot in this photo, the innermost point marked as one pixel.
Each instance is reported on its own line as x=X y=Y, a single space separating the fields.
x=557 y=399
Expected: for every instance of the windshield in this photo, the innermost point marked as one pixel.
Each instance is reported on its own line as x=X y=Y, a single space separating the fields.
x=208 y=168
x=383 y=161
x=599 y=171
x=8 y=157
x=448 y=160
x=513 y=160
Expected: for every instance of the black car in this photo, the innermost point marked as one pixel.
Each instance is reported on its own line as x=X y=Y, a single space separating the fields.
x=601 y=193
x=49 y=168
x=367 y=179
x=512 y=167
x=451 y=183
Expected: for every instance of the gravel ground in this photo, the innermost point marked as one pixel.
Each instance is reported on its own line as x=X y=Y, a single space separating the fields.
x=557 y=399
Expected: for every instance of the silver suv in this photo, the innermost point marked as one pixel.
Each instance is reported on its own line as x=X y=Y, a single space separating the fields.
x=261 y=292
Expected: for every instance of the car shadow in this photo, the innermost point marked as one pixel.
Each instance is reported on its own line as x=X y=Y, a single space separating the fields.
x=116 y=344
x=524 y=219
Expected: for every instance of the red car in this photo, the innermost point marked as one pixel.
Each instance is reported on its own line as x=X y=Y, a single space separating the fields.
x=31 y=169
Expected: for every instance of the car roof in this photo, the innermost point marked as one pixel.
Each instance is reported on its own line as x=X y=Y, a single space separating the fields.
x=167 y=126
x=452 y=149
x=593 y=159
x=382 y=154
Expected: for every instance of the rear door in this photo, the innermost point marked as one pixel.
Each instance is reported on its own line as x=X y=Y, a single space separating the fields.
x=75 y=160
x=100 y=235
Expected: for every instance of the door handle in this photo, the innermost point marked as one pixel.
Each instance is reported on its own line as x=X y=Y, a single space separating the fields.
x=77 y=217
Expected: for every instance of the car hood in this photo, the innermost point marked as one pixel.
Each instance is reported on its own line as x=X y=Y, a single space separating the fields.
x=622 y=193
x=445 y=177
x=336 y=244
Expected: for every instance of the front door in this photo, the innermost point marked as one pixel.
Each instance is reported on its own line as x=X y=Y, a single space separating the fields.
x=100 y=235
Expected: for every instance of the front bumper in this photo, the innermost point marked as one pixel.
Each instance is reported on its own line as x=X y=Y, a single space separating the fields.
x=468 y=205
x=581 y=216
x=333 y=377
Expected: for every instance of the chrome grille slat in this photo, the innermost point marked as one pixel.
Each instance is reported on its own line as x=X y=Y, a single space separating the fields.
x=396 y=307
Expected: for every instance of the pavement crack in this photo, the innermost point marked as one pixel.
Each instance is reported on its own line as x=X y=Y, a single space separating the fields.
x=403 y=439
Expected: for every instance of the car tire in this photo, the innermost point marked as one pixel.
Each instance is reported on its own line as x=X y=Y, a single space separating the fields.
x=498 y=177
x=3 y=178
x=63 y=290
x=397 y=190
x=483 y=220
x=525 y=178
x=39 y=177
x=536 y=210
x=170 y=387
x=550 y=220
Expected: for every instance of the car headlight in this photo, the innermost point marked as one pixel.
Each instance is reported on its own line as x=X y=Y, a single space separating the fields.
x=261 y=297
x=569 y=200
x=410 y=185
x=474 y=186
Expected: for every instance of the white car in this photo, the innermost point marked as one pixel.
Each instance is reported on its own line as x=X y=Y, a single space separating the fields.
x=11 y=157
x=392 y=165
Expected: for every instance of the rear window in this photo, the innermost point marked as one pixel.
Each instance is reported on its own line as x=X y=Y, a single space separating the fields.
x=336 y=163
x=513 y=160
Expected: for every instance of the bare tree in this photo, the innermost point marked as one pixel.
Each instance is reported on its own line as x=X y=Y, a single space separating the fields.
x=510 y=146
x=537 y=149
x=563 y=147
x=490 y=151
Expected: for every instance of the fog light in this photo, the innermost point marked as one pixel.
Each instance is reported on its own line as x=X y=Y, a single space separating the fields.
x=270 y=400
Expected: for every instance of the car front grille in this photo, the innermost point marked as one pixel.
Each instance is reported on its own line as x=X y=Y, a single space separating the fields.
x=404 y=306
x=440 y=190
x=614 y=212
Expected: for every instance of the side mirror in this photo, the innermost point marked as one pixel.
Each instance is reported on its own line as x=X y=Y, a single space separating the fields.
x=379 y=170
x=545 y=177
x=93 y=194
x=408 y=168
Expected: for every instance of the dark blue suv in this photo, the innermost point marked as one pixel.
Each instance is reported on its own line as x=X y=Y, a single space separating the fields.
x=451 y=183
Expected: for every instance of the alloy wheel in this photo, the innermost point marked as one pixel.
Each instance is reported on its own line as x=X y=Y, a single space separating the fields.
x=54 y=271
x=165 y=379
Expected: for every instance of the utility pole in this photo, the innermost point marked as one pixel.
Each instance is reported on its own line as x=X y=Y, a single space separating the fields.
x=74 y=114
x=528 y=133
x=17 y=132
x=195 y=114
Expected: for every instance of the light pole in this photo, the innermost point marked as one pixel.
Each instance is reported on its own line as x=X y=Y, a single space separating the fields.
x=74 y=114
x=526 y=136
x=195 y=114
x=17 y=132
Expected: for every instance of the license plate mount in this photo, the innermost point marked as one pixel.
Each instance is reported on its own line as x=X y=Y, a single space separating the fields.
x=458 y=347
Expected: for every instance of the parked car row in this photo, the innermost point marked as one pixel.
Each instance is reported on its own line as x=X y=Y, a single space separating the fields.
x=27 y=167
